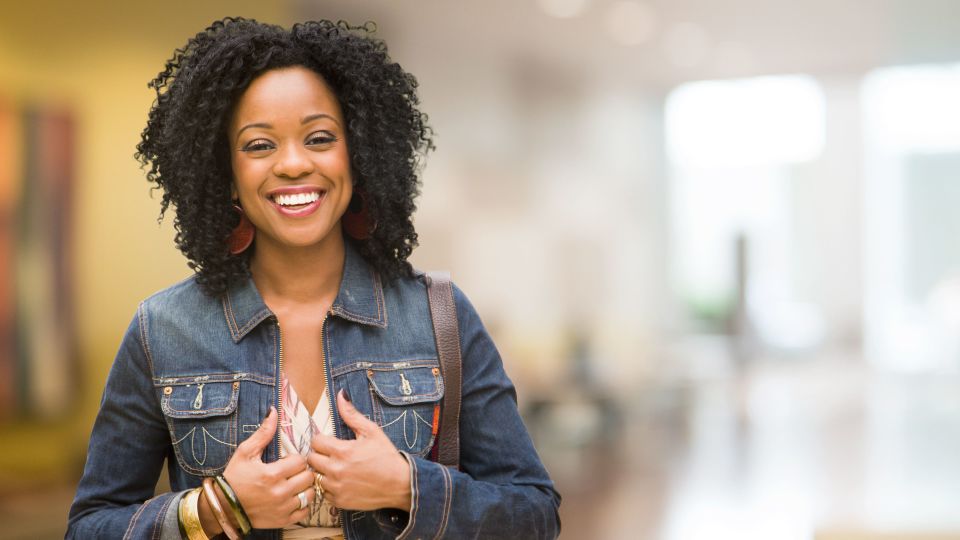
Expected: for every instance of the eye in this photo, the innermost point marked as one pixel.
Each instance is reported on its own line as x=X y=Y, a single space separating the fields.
x=258 y=145
x=321 y=137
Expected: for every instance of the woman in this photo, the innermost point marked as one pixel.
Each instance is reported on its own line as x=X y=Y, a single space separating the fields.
x=299 y=365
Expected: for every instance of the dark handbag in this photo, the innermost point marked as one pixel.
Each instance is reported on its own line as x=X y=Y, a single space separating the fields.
x=443 y=313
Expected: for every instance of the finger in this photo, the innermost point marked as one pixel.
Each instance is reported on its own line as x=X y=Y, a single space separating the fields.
x=288 y=466
x=327 y=445
x=308 y=496
x=300 y=481
x=319 y=462
x=359 y=423
x=310 y=492
x=292 y=505
x=256 y=443
x=299 y=515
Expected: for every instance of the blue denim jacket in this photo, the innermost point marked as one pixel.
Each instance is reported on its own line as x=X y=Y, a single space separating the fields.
x=195 y=375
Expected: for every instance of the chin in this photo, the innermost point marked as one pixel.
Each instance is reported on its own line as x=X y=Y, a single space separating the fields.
x=307 y=242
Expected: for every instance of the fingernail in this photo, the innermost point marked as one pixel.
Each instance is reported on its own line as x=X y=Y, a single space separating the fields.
x=346 y=395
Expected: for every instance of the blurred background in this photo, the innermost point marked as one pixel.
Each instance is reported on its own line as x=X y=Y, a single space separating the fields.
x=714 y=240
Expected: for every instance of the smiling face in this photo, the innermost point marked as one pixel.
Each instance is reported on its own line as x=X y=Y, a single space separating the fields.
x=291 y=168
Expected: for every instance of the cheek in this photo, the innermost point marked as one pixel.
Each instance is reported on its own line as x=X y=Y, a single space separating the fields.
x=245 y=177
x=338 y=161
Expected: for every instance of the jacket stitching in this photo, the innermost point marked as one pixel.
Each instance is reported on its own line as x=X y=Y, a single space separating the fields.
x=231 y=320
x=141 y=326
x=186 y=380
x=136 y=517
x=158 y=522
x=414 y=498
x=408 y=399
x=378 y=294
x=385 y=365
x=359 y=318
x=255 y=320
x=381 y=318
x=182 y=461
x=377 y=415
x=448 y=499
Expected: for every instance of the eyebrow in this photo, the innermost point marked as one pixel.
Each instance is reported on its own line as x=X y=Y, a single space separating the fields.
x=305 y=120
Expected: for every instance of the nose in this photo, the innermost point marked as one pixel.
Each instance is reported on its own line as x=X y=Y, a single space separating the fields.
x=292 y=162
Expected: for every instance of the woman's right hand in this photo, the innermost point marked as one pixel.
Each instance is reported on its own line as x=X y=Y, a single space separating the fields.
x=268 y=491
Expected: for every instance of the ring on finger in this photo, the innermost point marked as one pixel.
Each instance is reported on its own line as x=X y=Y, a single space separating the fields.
x=318 y=485
x=302 y=496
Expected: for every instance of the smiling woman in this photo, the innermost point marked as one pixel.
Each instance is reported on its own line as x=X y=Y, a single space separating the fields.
x=294 y=383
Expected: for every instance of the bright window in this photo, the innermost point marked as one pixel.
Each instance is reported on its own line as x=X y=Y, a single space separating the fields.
x=732 y=146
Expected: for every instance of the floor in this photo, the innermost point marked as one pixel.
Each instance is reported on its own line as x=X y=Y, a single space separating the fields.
x=800 y=448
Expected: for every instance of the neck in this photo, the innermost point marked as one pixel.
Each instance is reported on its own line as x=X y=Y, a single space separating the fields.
x=309 y=275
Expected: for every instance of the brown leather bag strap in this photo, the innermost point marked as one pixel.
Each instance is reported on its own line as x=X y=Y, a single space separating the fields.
x=443 y=312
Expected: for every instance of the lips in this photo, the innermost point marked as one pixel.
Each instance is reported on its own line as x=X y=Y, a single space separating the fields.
x=297 y=201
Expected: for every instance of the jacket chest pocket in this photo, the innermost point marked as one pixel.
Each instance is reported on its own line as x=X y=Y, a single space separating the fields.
x=202 y=419
x=406 y=405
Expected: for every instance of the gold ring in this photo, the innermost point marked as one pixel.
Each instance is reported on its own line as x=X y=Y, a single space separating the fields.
x=318 y=485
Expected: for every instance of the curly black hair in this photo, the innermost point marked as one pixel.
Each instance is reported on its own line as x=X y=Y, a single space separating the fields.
x=185 y=148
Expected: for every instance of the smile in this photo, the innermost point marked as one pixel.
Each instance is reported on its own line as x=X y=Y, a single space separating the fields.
x=298 y=201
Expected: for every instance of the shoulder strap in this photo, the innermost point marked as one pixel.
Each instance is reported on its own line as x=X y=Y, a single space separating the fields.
x=443 y=312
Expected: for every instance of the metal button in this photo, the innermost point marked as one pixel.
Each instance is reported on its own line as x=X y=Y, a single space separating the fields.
x=236 y=384
x=394 y=519
x=167 y=390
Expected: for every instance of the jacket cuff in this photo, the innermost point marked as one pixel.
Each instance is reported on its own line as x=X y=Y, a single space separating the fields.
x=148 y=521
x=170 y=527
x=431 y=497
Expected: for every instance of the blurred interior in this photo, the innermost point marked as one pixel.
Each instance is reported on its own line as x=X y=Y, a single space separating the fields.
x=714 y=240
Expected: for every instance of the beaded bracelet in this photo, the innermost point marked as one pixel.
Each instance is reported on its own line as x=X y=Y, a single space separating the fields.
x=189 y=516
x=235 y=507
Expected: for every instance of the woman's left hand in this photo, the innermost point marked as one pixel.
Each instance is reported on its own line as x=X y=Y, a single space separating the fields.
x=366 y=473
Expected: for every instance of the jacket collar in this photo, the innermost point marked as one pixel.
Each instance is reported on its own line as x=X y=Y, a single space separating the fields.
x=360 y=298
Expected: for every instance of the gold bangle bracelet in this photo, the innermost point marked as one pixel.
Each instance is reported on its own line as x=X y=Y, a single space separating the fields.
x=180 y=518
x=191 y=515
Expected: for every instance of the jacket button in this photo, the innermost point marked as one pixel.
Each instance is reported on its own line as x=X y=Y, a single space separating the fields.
x=167 y=390
x=394 y=519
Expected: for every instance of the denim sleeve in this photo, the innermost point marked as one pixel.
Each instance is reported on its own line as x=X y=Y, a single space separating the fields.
x=127 y=447
x=502 y=489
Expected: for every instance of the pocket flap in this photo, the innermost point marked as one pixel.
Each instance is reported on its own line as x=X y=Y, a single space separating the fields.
x=200 y=400
x=403 y=386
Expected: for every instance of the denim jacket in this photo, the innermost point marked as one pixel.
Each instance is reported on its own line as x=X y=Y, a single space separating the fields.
x=195 y=375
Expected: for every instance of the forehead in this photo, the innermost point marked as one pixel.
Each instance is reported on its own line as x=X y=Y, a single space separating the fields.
x=291 y=92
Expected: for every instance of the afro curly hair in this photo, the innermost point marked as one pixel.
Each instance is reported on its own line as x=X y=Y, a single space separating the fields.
x=185 y=150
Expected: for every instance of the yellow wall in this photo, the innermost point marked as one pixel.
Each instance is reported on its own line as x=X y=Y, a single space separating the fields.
x=97 y=58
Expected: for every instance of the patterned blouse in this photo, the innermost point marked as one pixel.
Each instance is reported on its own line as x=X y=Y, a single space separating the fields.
x=297 y=427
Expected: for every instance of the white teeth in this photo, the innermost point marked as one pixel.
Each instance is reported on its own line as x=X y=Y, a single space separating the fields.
x=296 y=198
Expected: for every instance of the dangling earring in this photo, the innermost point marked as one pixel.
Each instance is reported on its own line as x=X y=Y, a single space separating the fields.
x=356 y=220
x=242 y=235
